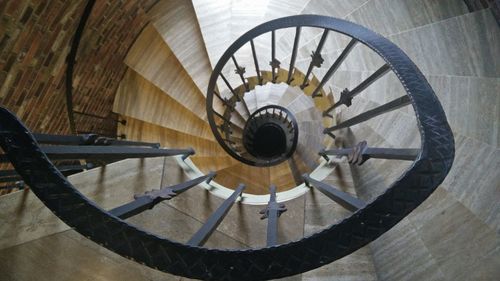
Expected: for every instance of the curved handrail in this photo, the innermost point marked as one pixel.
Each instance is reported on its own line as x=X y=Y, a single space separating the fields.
x=427 y=171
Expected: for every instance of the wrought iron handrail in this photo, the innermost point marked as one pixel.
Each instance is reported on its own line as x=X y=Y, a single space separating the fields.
x=428 y=170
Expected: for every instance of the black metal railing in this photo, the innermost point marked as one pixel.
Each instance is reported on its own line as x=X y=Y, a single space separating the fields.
x=431 y=163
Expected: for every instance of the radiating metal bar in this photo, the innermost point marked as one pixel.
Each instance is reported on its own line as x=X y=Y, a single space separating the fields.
x=88 y=139
x=256 y=62
x=272 y=213
x=106 y=118
x=240 y=71
x=374 y=77
x=109 y=141
x=346 y=96
x=10 y=179
x=245 y=106
x=316 y=59
x=133 y=208
x=63 y=169
x=408 y=154
x=344 y=199
x=294 y=54
x=335 y=66
x=229 y=86
x=222 y=117
x=105 y=152
x=223 y=100
x=202 y=235
x=367 y=115
x=85 y=139
x=275 y=64
x=19 y=185
x=361 y=152
x=151 y=198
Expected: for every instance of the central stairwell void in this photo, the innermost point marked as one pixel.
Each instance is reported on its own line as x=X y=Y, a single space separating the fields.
x=272 y=114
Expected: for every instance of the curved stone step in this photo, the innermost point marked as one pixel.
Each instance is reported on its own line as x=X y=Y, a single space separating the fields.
x=213 y=163
x=139 y=98
x=472 y=37
x=154 y=60
x=257 y=179
x=321 y=212
x=214 y=18
x=143 y=131
x=457 y=94
x=177 y=24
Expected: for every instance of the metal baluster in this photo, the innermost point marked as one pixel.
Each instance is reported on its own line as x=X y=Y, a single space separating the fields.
x=240 y=71
x=222 y=117
x=335 y=66
x=202 y=235
x=344 y=199
x=224 y=101
x=230 y=88
x=367 y=115
x=294 y=54
x=346 y=95
x=256 y=62
x=361 y=152
x=63 y=169
x=105 y=152
x=151 y=198
x=274 y=63
x=316 y=59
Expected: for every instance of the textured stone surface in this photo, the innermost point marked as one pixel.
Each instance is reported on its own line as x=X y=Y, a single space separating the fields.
x=25 y=218
x=321 y=212
x=69 y=256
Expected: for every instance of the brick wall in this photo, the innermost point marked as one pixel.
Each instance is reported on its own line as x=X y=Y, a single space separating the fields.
x=35 y=39
x=34 y=42
x=110 y=31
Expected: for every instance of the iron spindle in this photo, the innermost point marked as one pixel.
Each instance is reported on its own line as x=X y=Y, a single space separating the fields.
x=316 y=59
x=230 y=88
x=275 y=64
x=344 y=199
x=367 y=115
x=346 y=96
x=294 y=54
x=361 y=152
x=240 y=71
x=105 y=152
x=149 y=199
x=256 y=62
x=202 y=235
x=335 y=66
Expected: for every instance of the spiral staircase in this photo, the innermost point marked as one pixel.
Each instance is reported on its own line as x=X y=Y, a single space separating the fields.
x=280 y=152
